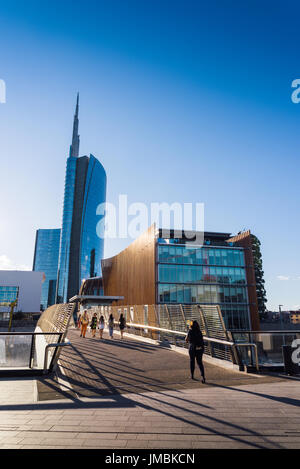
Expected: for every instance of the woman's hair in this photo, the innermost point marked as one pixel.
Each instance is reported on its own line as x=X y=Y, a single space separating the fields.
x=101 y=318
x=111 y=316
x=195 y=326
x=121 y=315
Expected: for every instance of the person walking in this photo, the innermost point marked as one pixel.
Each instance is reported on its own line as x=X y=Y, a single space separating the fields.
x=94 y=323
x=111 y=323
x=78 y=323
x=84 y=323
x=101 y=326
x=122 y=324
x=196 y=348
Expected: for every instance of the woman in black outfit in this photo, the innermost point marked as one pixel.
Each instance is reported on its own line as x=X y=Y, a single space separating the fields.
x=196 y=348
x=122 y=324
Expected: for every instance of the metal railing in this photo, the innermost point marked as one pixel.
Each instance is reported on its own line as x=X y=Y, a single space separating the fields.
x=211 y=340
x=25 y=353
x=269 y=345
x=36 y=351
x=55 y=346
x=171 y=322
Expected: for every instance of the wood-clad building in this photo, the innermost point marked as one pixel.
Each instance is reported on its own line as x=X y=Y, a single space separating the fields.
x=155 y=270
x=131 y=273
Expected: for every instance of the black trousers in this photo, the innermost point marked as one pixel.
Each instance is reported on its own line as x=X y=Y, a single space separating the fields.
x=196 y=355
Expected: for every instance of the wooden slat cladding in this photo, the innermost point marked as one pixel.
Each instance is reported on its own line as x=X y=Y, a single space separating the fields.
x=244 y=240
x=131 y=273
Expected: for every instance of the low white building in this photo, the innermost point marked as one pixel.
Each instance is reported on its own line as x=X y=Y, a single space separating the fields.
x=26 y=285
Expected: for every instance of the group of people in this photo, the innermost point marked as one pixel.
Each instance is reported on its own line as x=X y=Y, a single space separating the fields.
x=84 y=321
x=194 y=336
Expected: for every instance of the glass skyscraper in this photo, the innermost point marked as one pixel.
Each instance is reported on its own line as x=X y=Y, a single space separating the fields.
x=46 y=260
x=81 y=250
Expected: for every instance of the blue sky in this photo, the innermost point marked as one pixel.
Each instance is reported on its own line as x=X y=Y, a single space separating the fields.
x=181 y=101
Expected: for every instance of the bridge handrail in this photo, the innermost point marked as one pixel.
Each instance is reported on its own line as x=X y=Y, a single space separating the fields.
x=55 y=345
x=209 y=339
x=31 y=333
x=282 y=332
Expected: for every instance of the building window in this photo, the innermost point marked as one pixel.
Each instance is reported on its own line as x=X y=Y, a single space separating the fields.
x=8 y=294
x=187 y=294
x=180 y=294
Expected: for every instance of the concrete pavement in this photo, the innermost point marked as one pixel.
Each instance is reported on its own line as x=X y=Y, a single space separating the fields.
x=98 y=402
x=248 y=416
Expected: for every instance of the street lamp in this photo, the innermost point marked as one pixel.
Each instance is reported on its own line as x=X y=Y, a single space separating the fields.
x=280 y=315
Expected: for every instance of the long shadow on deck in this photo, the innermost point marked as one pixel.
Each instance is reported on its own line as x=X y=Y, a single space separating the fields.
x=109 y=369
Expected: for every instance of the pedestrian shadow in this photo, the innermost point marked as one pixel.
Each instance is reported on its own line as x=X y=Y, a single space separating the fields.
x=162 y=403
x=280 y=399
x=93 y=375
x=194 y=412
x=103 y=363
x=133 y=346
x=153 y=402
x=113 y=375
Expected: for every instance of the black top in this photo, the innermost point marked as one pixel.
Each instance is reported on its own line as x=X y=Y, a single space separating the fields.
x=94 y=323
x=122 y=323
x=195 y=338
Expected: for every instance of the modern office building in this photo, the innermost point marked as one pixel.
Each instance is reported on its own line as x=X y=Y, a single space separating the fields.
x=159 y=270
x=81 y=249
x=25 y=286
x=46 y=260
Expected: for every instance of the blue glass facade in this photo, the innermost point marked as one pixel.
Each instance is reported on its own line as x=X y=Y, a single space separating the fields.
x=92 y=247
x=65 y=242
x=205 y=275
x=81 y=249
x=46 y=260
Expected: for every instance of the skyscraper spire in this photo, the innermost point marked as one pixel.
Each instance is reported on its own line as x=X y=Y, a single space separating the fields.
x=74 y=148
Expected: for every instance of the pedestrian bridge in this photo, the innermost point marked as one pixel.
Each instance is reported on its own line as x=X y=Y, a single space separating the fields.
x=92 y=367
x=137 y=392
x=152 y=331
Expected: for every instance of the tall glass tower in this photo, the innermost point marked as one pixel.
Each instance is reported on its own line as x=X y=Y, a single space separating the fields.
x=46 y=260
x=81 y=250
